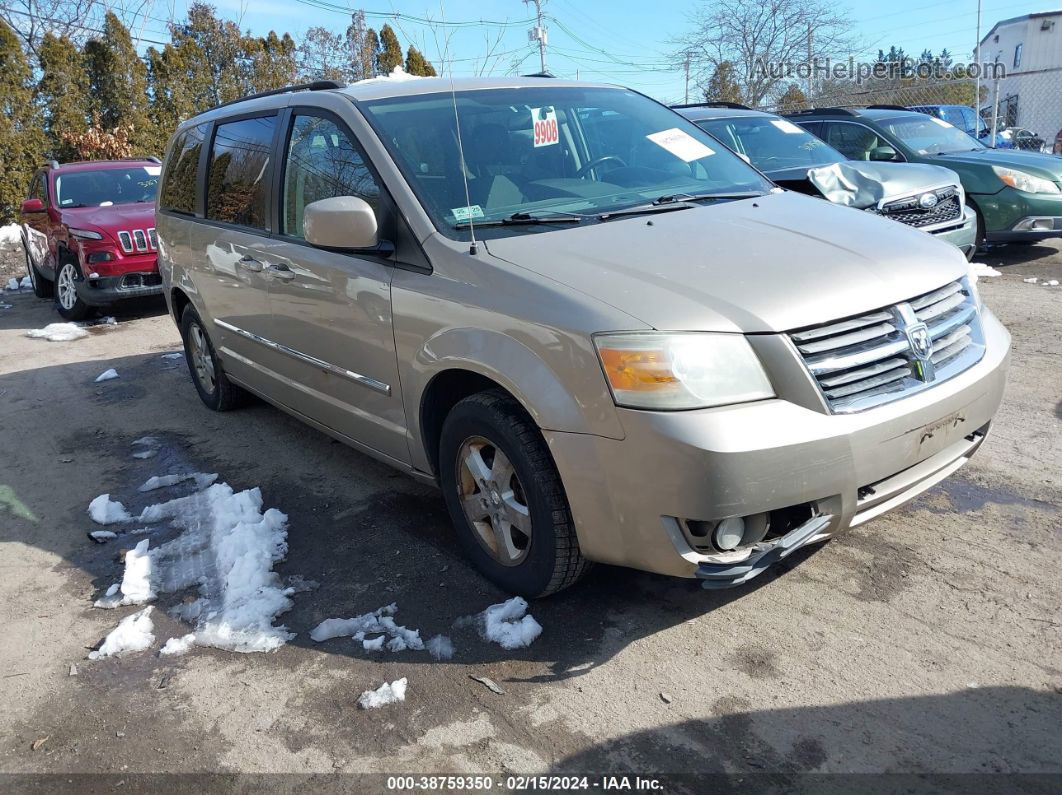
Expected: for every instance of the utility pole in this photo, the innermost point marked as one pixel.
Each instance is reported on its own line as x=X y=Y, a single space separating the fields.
x=687 y=100
x=538 y=33
x=977 y=80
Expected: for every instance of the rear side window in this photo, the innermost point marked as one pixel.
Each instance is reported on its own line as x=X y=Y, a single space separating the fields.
x=322 y=162
x=179 y=183
x=238 y=178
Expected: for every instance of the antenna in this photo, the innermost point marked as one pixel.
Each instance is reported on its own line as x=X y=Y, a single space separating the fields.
x=472 y=249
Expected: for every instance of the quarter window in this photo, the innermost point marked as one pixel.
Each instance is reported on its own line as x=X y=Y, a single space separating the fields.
x=182 y=169
x=238 y=177
x=322 y=162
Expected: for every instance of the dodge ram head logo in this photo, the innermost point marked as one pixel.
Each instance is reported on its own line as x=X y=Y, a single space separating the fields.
x=921 y=348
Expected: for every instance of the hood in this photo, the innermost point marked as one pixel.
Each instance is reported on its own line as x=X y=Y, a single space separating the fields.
x=111 y=219
x=863 y=184
x=769 y=264
x=1037 y=163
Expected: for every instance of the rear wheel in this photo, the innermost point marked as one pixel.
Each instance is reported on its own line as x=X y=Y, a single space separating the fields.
x=42 y=288
x=213 y=386
x=67 y=301
x=506 y=498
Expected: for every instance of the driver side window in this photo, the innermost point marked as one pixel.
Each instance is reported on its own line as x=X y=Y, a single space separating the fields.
x=854 y=141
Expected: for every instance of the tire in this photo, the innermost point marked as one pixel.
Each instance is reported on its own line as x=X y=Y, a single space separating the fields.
x=42 y=288
x=979 y=240
x=529 y=488
x=67 y=302
x=216 y=391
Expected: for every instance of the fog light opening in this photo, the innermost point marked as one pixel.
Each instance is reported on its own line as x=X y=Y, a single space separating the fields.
x=728 y=534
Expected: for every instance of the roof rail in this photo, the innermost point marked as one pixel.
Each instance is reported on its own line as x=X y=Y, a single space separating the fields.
x=816 y=111
x=886 y=107
x=316 y=85
x=732 y=105
x=545 y=73
x=50 y=164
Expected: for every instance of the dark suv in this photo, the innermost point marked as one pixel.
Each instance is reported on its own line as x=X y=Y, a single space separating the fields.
x=88 y=229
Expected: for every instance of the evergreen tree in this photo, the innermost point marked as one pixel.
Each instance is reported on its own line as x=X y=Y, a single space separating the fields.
x=792 y=100
x=722 y=87
x=370 y=54
x=21 y=137
x=62 y=93
x=272 y=61
x=118 y=81
x=211 y=52
x=417 y=64
x=390 y=54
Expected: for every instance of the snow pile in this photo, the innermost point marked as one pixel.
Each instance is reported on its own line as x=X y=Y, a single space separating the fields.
x=102 y=536
x=133 y=633
x=980 y=269
x=136 y=587
x=440 y=647
x=104 y=510
x=509 y=625
x=181 y=645
x=379 y=622
x=398 y=75
x=202 y=480
x=1052 y=283
x=107 y=375
x=387 y=693
x=58 y=332
x=10 y=235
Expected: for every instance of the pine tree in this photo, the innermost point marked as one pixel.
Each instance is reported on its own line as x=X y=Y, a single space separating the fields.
x=21 y=136
x=417 y=64
x=119 y=84
x=370 y=54
x=272 y=61
x=213 y=58
x=62 y=94
x=792 y=100
x=390 y=54
x=722 y=87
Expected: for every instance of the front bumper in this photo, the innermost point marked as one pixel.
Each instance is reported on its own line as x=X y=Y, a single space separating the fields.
x=1005 y=212
x=104 y=291
x=631 y=498
x=964 y=236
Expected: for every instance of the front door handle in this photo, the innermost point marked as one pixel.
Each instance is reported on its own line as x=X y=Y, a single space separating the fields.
x=250 y=264
x=282 y=272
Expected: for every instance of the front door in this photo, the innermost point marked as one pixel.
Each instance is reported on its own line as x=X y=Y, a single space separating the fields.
x=36 y=227
x=332 y=310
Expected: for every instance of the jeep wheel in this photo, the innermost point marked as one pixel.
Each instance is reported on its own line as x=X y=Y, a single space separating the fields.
x=42 y=288
x=213 y=386
x=67 y=301
x=506 y=498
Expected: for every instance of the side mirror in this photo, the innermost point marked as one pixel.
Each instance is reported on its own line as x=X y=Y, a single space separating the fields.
x=342 y=222
x=32 y=206
x=884 y=153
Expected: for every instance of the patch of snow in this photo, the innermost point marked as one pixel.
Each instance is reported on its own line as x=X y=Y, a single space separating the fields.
x=107 y=375
x=1052 y=283
x=58 y=332
x=146 y=454
x=1031 y=280
x=980 y=269
x=12 y=284
x=136 y=587
x=10 y=234
x=509 y=625
x=202 y=480
x=149 y=443
x=148 y=440
x=133 y=633
x=173 y=356
x=181 y=645
x=380 y=621
x=338 y=627
x=398 y=75
x=99 y=536
x=440 y=647
x=108 y=320
x=104 y=510
x=387 y=693
x=374 y=645
x=26 y=283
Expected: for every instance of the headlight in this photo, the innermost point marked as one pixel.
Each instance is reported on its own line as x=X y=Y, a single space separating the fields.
x=86 y=234
x=1019 y=180
x=650 y=370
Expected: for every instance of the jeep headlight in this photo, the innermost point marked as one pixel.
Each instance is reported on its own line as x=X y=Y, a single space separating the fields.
x=86 y=234
x=690 y=370
x=1020 y=180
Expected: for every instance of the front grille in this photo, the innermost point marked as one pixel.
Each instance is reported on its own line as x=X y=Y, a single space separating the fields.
x=138 y=241
x=909 y=211
x=888 y=354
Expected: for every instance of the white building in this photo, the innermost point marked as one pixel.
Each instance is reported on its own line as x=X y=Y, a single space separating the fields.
x=1030 y=47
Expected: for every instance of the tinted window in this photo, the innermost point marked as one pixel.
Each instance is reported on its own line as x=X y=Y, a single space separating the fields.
x=182 y=168
x=238 y=178
x=107 y=186
x=322 y=162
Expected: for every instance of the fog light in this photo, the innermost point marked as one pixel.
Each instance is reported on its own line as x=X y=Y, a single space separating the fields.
x=100 y=256
x=1035 y=224
x=728 y=533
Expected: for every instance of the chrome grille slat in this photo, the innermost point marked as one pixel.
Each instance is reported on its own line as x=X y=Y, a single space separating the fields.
x=871 y=359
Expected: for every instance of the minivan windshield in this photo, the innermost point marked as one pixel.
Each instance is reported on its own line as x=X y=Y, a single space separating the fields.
x=532 y=153
x=107 y=186
x=931 y=136
x=772 y=144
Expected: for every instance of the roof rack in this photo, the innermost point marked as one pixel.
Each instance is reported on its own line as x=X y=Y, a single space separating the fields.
x=50 y=164
x=316 y=85
x=815 y=111
x=886 y=107
x=731 y=105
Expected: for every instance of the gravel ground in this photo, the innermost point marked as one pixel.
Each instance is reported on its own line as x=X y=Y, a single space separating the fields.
x=925 y=642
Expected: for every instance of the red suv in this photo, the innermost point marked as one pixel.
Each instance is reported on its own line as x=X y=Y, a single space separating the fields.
x=88 y=229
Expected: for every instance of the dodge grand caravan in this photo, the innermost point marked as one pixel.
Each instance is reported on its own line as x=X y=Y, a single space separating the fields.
x=603 y=335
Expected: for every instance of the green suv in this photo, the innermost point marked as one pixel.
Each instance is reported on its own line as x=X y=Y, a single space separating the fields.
x=1017 y=195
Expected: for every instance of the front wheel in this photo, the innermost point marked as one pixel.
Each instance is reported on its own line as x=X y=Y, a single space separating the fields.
x=67 y=301
x=506 y=498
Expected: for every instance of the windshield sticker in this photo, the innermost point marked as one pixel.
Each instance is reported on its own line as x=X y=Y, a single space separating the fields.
x=153 y=171
x=544 y=122
x=681 y=144
x=786 y=126
x=941 y=122
x=467 y=213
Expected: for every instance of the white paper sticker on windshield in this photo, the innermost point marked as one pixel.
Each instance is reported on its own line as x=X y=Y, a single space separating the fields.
x=786 y=126
x=153 y=171
x=941 y=122
x=467 y=213
x=544 y=126
x=681 y=144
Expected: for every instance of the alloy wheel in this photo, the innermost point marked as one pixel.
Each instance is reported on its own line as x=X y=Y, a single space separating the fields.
x=202 y=361
x=493 y=500
x=66 y=287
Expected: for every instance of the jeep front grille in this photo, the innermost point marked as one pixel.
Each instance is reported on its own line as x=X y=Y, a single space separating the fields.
x=909 y=211
x=899 y=350
x=138 y=241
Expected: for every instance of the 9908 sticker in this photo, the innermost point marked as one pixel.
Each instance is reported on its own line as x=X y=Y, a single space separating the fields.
x=544 y=126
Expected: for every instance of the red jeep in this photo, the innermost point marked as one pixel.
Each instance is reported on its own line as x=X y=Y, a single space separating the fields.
x=88 y=229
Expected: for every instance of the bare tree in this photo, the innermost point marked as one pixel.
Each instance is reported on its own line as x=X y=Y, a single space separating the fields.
x=31 y=19
x=751 y=34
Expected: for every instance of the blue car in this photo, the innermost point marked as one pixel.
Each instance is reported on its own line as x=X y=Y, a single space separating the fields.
x=967 y=120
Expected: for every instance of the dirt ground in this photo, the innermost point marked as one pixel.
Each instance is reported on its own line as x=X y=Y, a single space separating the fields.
x=926 y=642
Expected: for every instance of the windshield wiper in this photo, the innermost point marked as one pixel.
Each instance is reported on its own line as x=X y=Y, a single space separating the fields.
x=526 y=219
x=676 y=201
